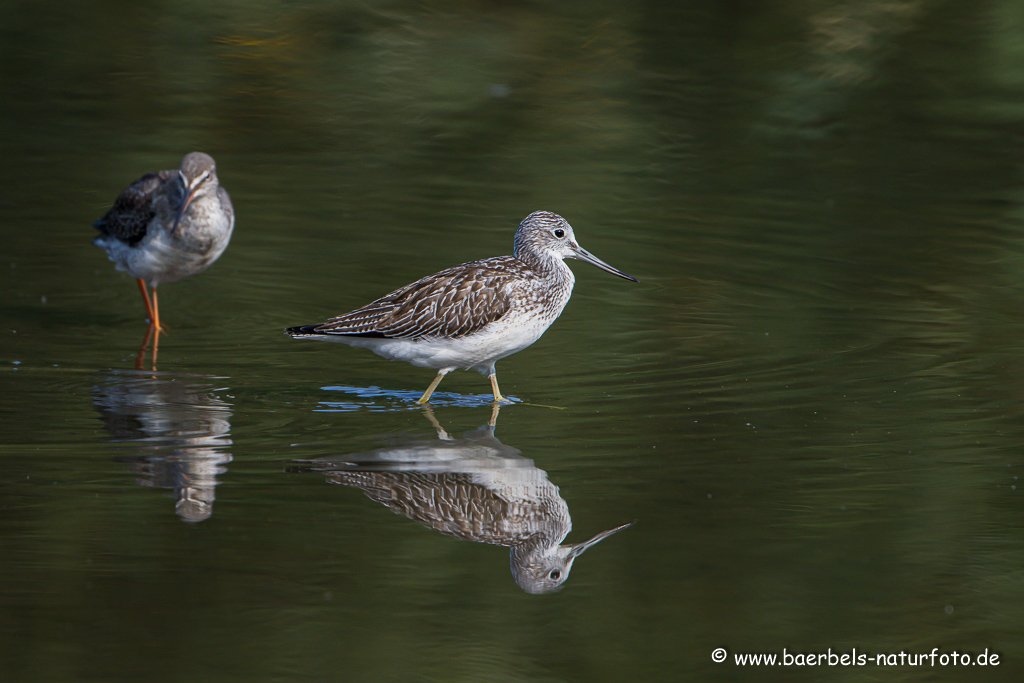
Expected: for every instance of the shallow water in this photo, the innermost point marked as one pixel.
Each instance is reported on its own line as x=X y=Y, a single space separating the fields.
x=810 y=404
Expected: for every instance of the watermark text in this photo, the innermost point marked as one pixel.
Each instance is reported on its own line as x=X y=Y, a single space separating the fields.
x=853 y=657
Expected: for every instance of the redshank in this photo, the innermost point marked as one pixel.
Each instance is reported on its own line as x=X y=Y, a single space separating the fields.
x=168 y=225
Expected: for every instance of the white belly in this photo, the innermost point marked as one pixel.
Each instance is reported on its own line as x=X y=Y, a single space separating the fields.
x=479 y=351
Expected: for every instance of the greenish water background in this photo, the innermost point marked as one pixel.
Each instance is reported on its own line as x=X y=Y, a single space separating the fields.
x=811 y=402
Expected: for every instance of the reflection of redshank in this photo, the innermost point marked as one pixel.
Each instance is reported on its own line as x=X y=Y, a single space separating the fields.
x=168 y=225
x=474 y=314
x=175 y=432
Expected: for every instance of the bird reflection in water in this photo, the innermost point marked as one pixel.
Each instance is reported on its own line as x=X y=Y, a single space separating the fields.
x=179 y=429
x=474 y=488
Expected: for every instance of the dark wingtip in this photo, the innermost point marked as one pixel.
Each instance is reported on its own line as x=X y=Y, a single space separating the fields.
x=317 y=331
x=301 y=330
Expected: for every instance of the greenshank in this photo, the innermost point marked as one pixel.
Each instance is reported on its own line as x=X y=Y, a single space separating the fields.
x=472 y=315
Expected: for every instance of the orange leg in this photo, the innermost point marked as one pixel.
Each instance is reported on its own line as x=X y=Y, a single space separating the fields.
x=145 y=297
x=156 y=333
x=152 y=309
x=154 y=329
x=156 y=321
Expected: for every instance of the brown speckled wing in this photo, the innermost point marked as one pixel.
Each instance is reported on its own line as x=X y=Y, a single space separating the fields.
x=453 y=303
x=134 y=208
x=449 y=503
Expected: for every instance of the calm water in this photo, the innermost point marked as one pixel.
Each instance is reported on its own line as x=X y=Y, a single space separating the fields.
x=812 y=404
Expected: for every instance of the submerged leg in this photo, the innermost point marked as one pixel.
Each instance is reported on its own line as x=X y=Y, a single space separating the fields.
x=433 y=385
x=441 y=433
x=141 y=356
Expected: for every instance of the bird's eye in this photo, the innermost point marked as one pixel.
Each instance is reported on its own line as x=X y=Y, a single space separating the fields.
x=559 y=233
x=555 y=573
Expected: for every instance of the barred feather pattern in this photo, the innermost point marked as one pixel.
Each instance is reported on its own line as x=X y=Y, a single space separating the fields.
x=457 y=506
x=453 y=303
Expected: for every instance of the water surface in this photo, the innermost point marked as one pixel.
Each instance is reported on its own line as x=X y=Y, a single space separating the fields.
x=810 y=403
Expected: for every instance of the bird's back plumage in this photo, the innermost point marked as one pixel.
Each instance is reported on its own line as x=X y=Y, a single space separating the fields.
x=135 y=208
x=453 y=504
x=451 y=304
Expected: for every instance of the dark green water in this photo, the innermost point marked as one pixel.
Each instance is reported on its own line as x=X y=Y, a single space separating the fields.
x=812 y=404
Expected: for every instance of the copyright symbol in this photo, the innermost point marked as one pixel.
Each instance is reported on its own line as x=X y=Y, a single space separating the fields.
x=718 y=655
